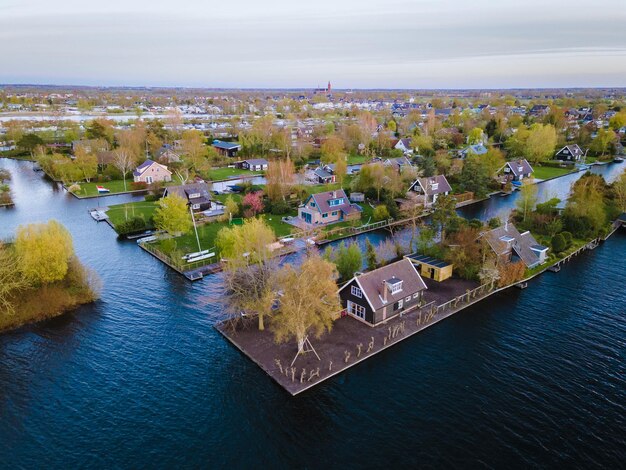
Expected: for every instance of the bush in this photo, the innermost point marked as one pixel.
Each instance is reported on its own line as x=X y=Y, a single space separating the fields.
x=74 y=188
x=494 y=222
x=558 y=243
x=569 y=239
x=381 y=213
x=152 y=197
x=476 y=223
x=112 y=173
x=136 y=224
x=279 y=208
x=137 y=185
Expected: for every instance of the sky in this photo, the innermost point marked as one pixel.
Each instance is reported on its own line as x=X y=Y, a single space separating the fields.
x=293 y=44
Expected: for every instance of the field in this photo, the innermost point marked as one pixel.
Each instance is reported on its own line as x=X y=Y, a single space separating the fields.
x=545 y=172
x=122 y=212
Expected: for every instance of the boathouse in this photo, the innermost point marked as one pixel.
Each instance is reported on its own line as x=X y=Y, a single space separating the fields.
x=384 y=293
x=430 y=267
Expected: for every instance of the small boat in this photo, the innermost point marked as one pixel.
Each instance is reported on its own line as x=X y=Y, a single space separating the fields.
x=618 y=159
x=195 y=255
x=146 y=239
x=145 y=234
x=98 y=215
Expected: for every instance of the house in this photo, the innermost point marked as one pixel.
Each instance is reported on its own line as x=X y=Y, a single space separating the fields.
x=430 y=188
x=328 y=207
x=475 y=149
x=228 y=149
x=569 y=153
x=399 y=163
x=510 y=246
x=151 y=172
x=357 y=197
x=255 y=164
x=197 y=195
x=319 y=176
x=539 y=110
x=167 y=154
x=516 y=170
x=430 y=267
x=402 y=144
x=384 y=293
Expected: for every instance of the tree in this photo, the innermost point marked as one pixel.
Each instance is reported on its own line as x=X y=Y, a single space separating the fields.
x=370 y=255
x=347 y=259
x=425 y=239
x=309 y=302
x=619 y=188
x=493 y=161
x=11 y=280
x=558 y=243
x=123 y=161
x=539 y=145
x=380 y=213
x=86 y=163
x=44 y=251
x=474 y=176
x=341 y=168
x=252 y=204
x=494 y=222
x=603 y=141
x=475 y=136
x=444 y=210
x=172 y=215
x=411 y=209
x=29 y=142
x=231 y=209
x=333 y=149
x=249 y=267
x=618 y=121
x=280 y=178
x=194 y=150
x=527 y=200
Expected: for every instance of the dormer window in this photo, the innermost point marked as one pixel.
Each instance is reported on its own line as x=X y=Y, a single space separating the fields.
x=394 y=285
x=335 y=202
x=434 y=185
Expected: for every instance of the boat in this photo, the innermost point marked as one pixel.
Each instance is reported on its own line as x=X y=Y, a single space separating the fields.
x=618 y=159
x=200 y=258
x=195 y=255
x=146 y=239
x=98 y=215
x=145 y=234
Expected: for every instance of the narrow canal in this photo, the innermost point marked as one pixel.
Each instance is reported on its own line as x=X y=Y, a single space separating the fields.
x=141 y=379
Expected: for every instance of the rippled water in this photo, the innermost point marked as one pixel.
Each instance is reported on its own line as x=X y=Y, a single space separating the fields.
x=141 y=378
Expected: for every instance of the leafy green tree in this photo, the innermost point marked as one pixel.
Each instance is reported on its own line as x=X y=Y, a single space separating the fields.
x=370 y=255
x=540 y=144
x=558 y=243
x=380 y=213
x=348 y=259
x=474 y=177
x=494 y=222
x=172 y=215
x=603 y=142
x=444 y=211
x=44 y=251
x=475 y=136
x=29 y=142
x=527 y=200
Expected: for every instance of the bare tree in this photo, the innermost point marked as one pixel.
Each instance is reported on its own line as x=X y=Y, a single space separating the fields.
x=123 y=161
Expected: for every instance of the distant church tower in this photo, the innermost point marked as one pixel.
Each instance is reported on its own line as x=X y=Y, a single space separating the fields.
x=329 y=87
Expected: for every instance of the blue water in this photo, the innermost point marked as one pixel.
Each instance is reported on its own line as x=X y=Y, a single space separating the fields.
x=141 y=378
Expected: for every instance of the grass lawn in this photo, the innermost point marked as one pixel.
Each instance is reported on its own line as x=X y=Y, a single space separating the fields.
x=357 y=159
x=281 y=229
x=122 y=212
x=225 y=173
x=545 y=172
x=114 y=186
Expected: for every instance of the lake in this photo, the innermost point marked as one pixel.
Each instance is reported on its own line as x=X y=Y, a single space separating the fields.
x=141 y=379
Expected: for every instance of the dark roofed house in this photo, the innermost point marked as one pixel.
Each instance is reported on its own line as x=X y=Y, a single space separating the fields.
x=320 y=175
x=197 y=195
x=539 y=110
x=254 y=164
x=384 y=293
x=569 y=153
x=402 y=144
x=510 y=246
x=430 y=188
x=399 y=163
x=516 y=170
x=229 y=149
x=328 y=207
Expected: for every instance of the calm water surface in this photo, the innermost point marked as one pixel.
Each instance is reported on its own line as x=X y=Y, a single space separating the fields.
x=141 y=379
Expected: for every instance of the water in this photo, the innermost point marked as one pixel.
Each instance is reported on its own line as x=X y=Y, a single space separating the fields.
x=141 y=378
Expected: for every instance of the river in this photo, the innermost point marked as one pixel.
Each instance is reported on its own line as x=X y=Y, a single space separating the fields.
x=141 y=379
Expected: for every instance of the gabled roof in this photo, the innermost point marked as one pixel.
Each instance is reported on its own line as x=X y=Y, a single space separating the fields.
x=574 y=150
x=226 y=145
x=185 y=190
x=476 y=149
x=507 y=238
x=147 y=164
x=433 y=184
x=322 y=201
x=320 y=172
x=520 y=167
x=256 y=161
x=373 y=282
x=399 y=162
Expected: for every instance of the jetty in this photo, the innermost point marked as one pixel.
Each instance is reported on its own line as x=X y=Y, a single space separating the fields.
x=98 y=215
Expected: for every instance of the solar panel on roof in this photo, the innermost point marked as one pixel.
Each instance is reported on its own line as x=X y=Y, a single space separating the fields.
x=429 y=260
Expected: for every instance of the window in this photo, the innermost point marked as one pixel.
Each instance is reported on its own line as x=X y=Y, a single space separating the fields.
x=400 y=304
x=334 y=213
x=312 y=204
x=324 y=215
x=356 y=310
x=397 y=287
x=416 y=295
x=355 y=291
x=195 y=206
x=408 y=298
x=335 y=202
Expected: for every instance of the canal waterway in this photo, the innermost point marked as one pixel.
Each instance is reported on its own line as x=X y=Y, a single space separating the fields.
x=141 y=379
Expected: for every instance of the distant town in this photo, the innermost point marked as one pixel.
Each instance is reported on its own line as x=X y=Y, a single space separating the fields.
x=275 y=189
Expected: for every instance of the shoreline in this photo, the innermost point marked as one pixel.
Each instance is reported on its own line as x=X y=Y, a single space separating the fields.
x=432 y=316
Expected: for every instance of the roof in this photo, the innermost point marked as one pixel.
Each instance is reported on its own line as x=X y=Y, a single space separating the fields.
x=256 y=161
x=574 y=149
x=226 y=145
x=427 y=183
x=372 y=282
x=520 y=167
x=507 y=238
x=476 y=149
x=322 y=201
x=322 y=173
x=193 y=188
x=399 y=162
x=423 y=259
x=147 y=164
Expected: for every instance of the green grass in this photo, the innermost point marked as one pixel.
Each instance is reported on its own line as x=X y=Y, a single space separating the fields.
x=281 y=229
x=357 y=159
x=226 y=173
x=121 y=212
x=545 y=172
x=114 y=186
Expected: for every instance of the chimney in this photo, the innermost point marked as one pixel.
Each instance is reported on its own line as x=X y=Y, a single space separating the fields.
x=506 y=225
x=385 y=289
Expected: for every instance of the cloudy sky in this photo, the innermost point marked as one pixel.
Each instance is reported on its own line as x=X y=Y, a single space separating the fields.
x=288 y=43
